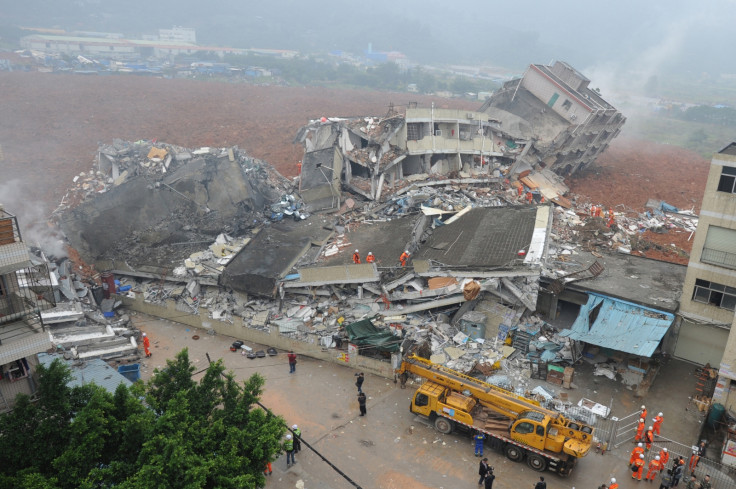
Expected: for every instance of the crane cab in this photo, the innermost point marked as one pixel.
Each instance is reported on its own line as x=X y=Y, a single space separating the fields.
x=432 y=398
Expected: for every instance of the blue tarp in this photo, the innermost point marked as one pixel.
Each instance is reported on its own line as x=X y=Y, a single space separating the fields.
x=620 y=325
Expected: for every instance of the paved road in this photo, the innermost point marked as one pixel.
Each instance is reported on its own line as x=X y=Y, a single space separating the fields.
x=390 y=448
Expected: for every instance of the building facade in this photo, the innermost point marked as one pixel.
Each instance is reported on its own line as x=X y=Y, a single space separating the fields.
x=25 y=291
x=709 y=292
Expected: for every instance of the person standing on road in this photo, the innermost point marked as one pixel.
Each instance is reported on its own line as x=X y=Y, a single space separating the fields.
x=692 y=483
x=292 y=361
x=483 y=470
x=297 y=438
x=146 y=345
x=655 y=467
x=677 y=471
x=638 y=450
x=694 y=459
x=649 y=438
x=541 y=484
x=705 y=483
x=638 y=467
x=614 y=484
x=361 y=403
x=488 y=481
x=639 y=431
x=664 y=457
x=479 y=439
x=667 y=480
x=289 y=447
x=657 y=423
x=359 y=382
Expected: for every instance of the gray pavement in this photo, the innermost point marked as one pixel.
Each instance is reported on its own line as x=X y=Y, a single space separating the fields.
x=390 y=447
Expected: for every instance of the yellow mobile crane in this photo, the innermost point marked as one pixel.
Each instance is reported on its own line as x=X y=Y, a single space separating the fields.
x=518 y=426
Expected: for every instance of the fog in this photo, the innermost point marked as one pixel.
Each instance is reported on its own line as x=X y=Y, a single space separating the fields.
x=620 y=38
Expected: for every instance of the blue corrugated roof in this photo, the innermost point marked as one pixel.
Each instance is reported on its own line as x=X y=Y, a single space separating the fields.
x=620 y=325
x=93 y=370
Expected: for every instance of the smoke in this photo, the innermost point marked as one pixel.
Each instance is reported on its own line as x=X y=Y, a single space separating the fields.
x=35 y=227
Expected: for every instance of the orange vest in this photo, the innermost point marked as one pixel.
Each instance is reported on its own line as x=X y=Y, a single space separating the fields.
x=664 y=457
x=613 y=486
x=658 y=420
x=370 y=258
x=639 y=462
x=356 y=258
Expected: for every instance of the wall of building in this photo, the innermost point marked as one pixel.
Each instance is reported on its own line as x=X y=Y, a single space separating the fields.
x=240 y=331
x=10 y=390
x=544 y=89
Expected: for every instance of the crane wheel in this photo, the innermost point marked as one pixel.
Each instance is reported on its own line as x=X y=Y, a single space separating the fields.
x=514 y=453
x=536 y=462
x=443 y=425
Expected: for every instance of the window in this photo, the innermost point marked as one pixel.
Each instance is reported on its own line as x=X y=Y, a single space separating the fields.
x=727 y=183
x=421 y=400
x=720 y=247
x=540 y=430
x=553 y=99
x=524 y=428
x=413 y=131
x=715 y=294
x=566 y=104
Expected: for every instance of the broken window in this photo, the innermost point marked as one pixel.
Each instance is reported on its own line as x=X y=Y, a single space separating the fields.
x=566 y=104
x=727 y=183
x=715 y=294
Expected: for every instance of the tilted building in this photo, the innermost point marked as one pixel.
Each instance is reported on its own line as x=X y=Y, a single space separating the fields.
x=571 y=123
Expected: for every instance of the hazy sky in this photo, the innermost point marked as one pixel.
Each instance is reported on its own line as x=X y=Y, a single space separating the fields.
x=645 y=37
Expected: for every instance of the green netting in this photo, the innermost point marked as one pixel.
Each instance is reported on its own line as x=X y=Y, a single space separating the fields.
x=364 y=333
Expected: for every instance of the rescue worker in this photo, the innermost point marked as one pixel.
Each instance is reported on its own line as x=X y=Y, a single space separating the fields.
x=655 y=467
x=664 y=456
x=299 y=167
x=404 y=257
x=289 y=447
x=705 y=483
x=356 y=257
x=658 y=423
x=479 y=439
x=649 y=438
x=146 y=345
x=371 y=258
x=639 y=430
x=297 y=438
x=638 y=450
x=694 y=459
x=638 y=467
x=529 y=197
x=614 y=484
x=643 y=414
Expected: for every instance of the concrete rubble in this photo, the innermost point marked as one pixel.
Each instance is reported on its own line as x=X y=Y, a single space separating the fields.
x=274 y=261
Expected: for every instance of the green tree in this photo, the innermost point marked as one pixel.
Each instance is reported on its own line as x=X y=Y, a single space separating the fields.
x=188 y=434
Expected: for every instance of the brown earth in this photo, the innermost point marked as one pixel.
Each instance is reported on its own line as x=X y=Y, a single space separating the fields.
x=51 y=126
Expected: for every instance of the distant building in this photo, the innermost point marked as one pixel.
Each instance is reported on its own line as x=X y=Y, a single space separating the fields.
x=709 y=292
x=572 y=124
x=178 y=35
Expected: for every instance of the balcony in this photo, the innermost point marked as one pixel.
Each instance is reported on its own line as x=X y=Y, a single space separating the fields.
x=719 y=258
x=9 y=230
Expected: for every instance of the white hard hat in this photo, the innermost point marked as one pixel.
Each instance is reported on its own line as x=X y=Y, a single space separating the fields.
x=356 y=251
x=288 y=437
x=650 y=428
x=406 y=251
x=613 y=480
x=656 y=458
x=665 y=450
x=144 y=334
x=641 y=455
x=370 y=253
x=639 y=445
x=641 y=420
x=643 y=406
x=660 y=414
x=293 y=427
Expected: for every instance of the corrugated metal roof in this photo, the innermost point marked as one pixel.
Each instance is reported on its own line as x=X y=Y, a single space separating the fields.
x=620 y=325
x=25 y=347
x=89 y=371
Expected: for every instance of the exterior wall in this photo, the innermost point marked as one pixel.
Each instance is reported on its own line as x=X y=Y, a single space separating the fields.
x=718 y=209
x=544 y=89
x=10 y=390
x=239 y=330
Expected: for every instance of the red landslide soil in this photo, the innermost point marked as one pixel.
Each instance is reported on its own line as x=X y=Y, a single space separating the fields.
x=51 y=125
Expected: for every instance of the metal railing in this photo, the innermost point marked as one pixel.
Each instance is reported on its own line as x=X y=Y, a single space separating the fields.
x=717 y=257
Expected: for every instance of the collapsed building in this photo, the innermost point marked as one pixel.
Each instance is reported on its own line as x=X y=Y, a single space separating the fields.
x=549 y=121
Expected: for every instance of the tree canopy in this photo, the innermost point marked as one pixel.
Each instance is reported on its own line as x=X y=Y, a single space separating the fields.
x=171 y=432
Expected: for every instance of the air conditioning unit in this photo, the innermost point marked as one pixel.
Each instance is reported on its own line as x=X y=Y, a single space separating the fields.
x=438 y=132
x=470 y=115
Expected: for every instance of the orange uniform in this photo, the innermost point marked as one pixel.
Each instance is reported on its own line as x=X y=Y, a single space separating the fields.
x=147 y=345
x=694 y=459
x=655 y=467
x=639 y=463
x=371 y=258
x=529 y=197
x=356 y=258
x=403 y=258
x=649 y=438
x=664 y=457
x=635 y=454
x=643 y=414
x=639 y=431
x=657 y=424
x=613 y=486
